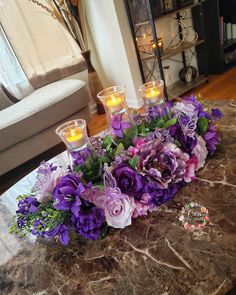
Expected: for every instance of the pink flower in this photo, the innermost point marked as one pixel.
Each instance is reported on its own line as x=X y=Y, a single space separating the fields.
x=137 y=144
x=200 y=151
x=48 y=177
x=191 y=166
x=142 y=206
x=139 y=141
x=118 y=210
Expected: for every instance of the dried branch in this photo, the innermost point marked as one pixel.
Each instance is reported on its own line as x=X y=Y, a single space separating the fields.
x=64 y=12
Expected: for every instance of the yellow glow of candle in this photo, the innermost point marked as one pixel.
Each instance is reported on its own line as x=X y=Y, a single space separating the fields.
x=160 y=44
x=114 y=103
x=153 y=93
x=74 y=135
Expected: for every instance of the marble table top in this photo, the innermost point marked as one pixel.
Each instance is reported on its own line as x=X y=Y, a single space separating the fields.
x=155 y=255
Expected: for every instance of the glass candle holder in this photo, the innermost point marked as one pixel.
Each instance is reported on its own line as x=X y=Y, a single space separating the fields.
x=121 y=126
x=83 y=157
x=153 y=96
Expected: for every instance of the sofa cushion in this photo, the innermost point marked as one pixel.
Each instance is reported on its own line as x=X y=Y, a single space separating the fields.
x=41 y=109
x=31 y=147
x=4 y=100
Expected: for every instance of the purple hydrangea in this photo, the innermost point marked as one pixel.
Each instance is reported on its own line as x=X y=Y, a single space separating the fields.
x=88 y=224
x=158 y=111
x=158 y=194
x=119 y=125
x=67 y=193
x=97 y=144
x=211 y=138
x=129 y=181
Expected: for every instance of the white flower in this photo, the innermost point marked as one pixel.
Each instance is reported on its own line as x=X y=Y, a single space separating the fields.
x=200 y=151
x=119 y=211
x=185 y=108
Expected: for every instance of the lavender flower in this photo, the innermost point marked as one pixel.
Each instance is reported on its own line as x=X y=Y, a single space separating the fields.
x=88 y=224
x=138 y=119
x=119 y=125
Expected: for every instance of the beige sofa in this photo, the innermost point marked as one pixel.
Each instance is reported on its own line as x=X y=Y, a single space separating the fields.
x=27 y=128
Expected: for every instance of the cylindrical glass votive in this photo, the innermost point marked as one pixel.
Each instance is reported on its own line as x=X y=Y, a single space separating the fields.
x=121 y=126
x=153 y=96
x=81 y=152
x=153 y=92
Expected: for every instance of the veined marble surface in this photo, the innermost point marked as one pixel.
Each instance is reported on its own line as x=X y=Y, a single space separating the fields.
x=155 y=255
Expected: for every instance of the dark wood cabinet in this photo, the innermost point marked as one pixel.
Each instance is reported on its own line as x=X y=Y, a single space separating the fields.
x=216 y=49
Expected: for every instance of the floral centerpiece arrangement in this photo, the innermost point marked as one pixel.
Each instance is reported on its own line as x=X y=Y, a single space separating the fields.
x=120 y=183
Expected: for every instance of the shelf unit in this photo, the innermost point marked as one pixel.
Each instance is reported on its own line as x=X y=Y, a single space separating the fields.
x=156 y=56
x=172 y=52
x=215 y=50
x=229 y=43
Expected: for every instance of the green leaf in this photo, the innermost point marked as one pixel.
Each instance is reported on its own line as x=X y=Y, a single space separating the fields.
x=202 y=125
x=169 y=123
x=120 y=148
x=177 y=143
x=107 y=142
x=105 y=159
x=133 y=162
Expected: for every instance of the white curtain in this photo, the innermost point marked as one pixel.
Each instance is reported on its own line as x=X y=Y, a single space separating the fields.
x=11 y=73
x=41 y=44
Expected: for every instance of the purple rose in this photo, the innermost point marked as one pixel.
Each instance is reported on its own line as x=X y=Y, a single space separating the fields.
x=129 y=181
x=67 y=193
x=89 y=223
x=118 y=209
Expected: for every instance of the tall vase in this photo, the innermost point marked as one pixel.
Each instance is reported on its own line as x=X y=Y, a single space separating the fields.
x=94 y=82
x=121 y=126
x=83 y=157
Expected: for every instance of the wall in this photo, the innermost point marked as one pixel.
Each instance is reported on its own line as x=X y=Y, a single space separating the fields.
x=113 y=51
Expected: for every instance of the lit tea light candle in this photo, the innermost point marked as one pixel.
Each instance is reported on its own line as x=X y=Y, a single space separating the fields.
x=75 y=138
x=159 y=45
x=114 y=104
x=152 y=96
